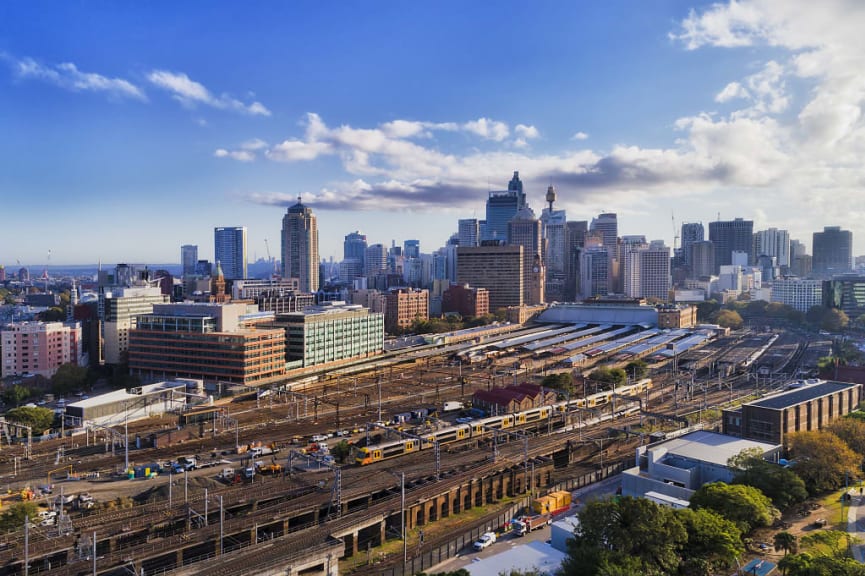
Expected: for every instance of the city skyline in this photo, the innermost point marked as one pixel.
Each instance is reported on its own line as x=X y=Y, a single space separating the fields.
x=131 y=132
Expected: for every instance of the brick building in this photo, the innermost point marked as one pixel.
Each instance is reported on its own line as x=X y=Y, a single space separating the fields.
x=402 y=306
x=465 y=300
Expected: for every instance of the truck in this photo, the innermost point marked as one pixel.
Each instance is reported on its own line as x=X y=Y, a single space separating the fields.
x=553 y=503
x=452 y=406
x=528 y=522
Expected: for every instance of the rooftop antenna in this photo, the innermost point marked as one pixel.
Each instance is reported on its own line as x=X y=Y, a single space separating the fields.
x=675 y=231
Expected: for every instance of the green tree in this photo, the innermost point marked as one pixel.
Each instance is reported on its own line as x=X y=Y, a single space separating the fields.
x=637 y=369
x=707 y=309
x=68 y=378
x=786 y=541
x=834 y=320
x=780 y=484
x=744 y=505
x=822 y=460
x=852 y=432
x=814 y=315
x=16 y=394
x=340 y=451
x=13 y=517
x=39 y=419
x=713 y=542
x=729 y=319
x=625 y=536
x=563 y=381
x=610 y=376
x=53 y=314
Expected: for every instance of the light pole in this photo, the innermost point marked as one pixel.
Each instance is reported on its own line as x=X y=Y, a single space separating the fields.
x=402 y=518
x=126 y=434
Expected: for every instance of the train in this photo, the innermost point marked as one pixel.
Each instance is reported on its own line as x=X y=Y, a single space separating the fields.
x=484 y=426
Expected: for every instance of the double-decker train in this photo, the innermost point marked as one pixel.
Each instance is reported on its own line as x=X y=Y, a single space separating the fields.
x=485 y=426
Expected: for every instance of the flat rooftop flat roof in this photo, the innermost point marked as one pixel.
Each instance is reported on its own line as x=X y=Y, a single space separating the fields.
x=705 y=446
x=799 y=395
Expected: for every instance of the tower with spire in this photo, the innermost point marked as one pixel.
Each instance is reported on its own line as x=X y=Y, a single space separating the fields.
x=217 y=286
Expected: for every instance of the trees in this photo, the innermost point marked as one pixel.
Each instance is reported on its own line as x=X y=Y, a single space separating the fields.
x=822 y=460
x=13 y=517
x=729 y=319
x=713 y=542
x=636 y=369
x=628 y=536
x=611 y=376
x=744 y=505
x=38 y=418
x=15 y=395
x=68 y=378
x=835 y=320
x=563 y=381
x=340 y=451
x=780 y=484
x=786 y=542
x=852 y=432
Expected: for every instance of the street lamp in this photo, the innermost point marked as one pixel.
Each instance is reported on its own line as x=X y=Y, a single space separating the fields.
x=402 y=518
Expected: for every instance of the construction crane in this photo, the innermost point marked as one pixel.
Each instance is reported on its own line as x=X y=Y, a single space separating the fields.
x=271 y=259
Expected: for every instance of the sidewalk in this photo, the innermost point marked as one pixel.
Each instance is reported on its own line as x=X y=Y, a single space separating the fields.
x=856 y=526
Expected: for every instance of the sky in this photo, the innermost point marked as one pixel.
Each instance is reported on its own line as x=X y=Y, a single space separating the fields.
x=129 y=129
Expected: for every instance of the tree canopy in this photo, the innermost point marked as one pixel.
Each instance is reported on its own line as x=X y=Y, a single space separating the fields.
x=744 y=505
x=69 y=378
x=780 y=484
x=563 y=381
x=852 y=432
x=729 y=319
x=16 y=394
x=611 y=376
x=13 y=517
x=822 y=460
x=39 y=419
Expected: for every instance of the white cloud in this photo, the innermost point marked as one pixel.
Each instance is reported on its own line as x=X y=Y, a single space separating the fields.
x=240 y=155
x=580 y=136
x=67 y=75
x=489 y=129
x=254 y=144
x=189 y=93
x=732 y=91
x=527 y=132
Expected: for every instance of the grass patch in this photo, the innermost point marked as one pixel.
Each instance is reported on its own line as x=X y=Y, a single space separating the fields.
x=832 y=510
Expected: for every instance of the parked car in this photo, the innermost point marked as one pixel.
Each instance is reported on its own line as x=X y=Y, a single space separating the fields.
x=486 y=539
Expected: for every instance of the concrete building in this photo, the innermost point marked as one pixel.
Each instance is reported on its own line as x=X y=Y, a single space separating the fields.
x=731 y=236
x=465 y=300
x=702 y=261
x=594 y=272
x=375 y=260
x=832 y=252
x=808 y=406
x=39 y=347
x=469 y=232
x=230 y=250
x=773 y=242
x=501 y=207
x=122 y=307
x=846 y=293
x=798 y=293
x=692 y=232
x=499 y=269
x=575 y=239
x=209 y=341
x=677 y=468
x=525 y=230
x=120 y=406
x=674 y=317
x=188 y=258
x=300 y=246
x=331 y=332
x=403 y=306
x=646 y=269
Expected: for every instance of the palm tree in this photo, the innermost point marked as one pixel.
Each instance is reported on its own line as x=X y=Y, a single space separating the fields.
x=786 y=541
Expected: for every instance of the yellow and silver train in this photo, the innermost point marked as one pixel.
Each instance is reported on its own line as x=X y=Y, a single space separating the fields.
x=483 y=426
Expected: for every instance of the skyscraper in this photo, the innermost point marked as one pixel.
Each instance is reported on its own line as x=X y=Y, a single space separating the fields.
x=525 y=230
x=375 y=260
x=832 y=251
x=469 y=232
x=354 y=246
x=188 y=258
x=691 y=232
x=501 y=207
x=702 y=259
x=773 y=242
x=729 y=236
x=411 y=248
x=229 y=249
x=300 y=246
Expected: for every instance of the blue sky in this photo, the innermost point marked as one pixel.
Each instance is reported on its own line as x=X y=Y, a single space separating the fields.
x=128 y=129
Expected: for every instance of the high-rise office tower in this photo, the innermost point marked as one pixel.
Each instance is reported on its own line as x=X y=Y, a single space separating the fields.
x=655 y=271
x=594 y=271
x=773 y=242
x=606 y=225
x=832 y=251
x=691 y=232
x=300 y=246
x=188 y=258
x=499 y=269
x=411 y=248
x=575 y=238
x=800 y=260
x=525 y=230
x=469 y=232
x=354 y=246
x=501 y=207
x=730 y=236
x=702 y=259
x=375 y=260
x=229 y=249
x=632 y=260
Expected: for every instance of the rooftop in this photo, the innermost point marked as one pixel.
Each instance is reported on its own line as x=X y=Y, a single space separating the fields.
x=711 y=447
x=120 y=395
x=800 y=395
